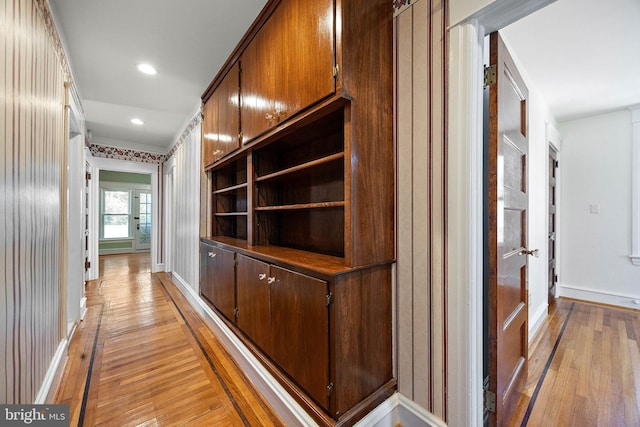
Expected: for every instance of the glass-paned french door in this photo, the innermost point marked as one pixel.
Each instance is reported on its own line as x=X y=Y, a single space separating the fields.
x=142 y=218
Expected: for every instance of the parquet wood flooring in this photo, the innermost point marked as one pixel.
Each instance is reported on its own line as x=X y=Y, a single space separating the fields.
x=584 y=369
x=143 y=356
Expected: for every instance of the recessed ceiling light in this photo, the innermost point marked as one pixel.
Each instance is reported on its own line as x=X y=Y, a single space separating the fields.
x=147 y=69
x=137 y=122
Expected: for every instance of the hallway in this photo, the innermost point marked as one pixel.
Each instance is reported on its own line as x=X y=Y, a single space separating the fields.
x=151 y=359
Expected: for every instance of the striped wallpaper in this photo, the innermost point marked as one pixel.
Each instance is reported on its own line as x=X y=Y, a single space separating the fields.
x=420 y=46
x=32 y=162
x=184 y=227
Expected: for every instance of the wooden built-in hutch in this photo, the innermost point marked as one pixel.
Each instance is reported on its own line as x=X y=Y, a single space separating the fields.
x=297 y=242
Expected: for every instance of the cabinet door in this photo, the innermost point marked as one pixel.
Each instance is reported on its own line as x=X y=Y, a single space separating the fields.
x=288 y=65
x=253 y=301
x=219 y=284
x=304 y=78
x=300 y=330
x=221 y=124
x=209 y=130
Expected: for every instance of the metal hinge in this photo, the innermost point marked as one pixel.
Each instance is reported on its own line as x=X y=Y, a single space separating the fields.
x=235 y=262
x=329 y=297
x=240 y=136
x=329 y=389
x=87 y=176
x=87 y=265
x=557 y=164
x=335 y=71
x=235 y=313
x=489 y=401
x=555 y=278
x=490 y=75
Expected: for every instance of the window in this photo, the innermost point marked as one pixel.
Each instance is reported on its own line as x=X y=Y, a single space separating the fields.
x=115 y=215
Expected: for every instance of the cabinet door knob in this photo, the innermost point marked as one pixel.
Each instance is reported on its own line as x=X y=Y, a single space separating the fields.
x=211 y=254
x=262 y=276
x=271 y=280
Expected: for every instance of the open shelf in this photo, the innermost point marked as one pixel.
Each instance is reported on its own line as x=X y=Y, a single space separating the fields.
x=230 y=207
x=302 y=168
x=232 y=188
x=301 y=206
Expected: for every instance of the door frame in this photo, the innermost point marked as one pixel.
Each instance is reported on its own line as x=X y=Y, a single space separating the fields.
x=99 y=163
x=465 y=191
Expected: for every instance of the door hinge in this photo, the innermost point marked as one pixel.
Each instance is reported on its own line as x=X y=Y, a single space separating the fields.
x=490 y=75
x=240 y=137
x=87 y=265
x=557 y=163
x=329 y=389
x=489 y=401
x=555 y=278
x=335 y=71
x=87 y=176
x=329 y=297
x=235 y=313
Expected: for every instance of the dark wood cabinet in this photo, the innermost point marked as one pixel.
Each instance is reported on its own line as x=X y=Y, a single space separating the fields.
x=217 y=278
x=300 y=330
x=288 y=66
x=307 y=201
x=254 y=308
x=221 y=123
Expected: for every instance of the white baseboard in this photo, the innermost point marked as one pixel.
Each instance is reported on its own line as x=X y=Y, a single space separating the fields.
x=51 y=373
x=599 y=296
x=400 y=410
x=285 y=406
x=537 y=319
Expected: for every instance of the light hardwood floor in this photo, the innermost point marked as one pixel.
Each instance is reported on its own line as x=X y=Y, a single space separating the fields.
x=152 y=360
x=584 y=369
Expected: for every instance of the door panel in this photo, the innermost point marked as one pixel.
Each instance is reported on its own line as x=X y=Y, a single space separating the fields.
x=300 y=330
x=279 y=76
x=218 y=285
x=553 y=168
x=507 y=231
x=142 y=219
x=222 y=118
x=254 y=314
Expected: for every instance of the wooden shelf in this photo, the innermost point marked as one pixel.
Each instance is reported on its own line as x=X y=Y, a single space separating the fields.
x=231 y=214
x=231 y=188
x=319 y=205
x=301 y=167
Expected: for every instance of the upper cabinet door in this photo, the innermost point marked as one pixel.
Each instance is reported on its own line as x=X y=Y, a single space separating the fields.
x=289 y=65
x=221 y=125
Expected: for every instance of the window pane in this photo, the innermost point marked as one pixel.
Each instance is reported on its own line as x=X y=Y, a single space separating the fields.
x=116 y=202
x=116 y=226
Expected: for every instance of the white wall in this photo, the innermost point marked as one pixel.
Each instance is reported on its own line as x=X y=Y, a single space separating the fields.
x=596 y=170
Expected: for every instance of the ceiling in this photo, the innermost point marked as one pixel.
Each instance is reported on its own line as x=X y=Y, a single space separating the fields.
x=582 y=56
x=188 y=42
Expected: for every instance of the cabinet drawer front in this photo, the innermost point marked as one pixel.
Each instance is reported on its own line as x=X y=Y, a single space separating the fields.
x=300 y=330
